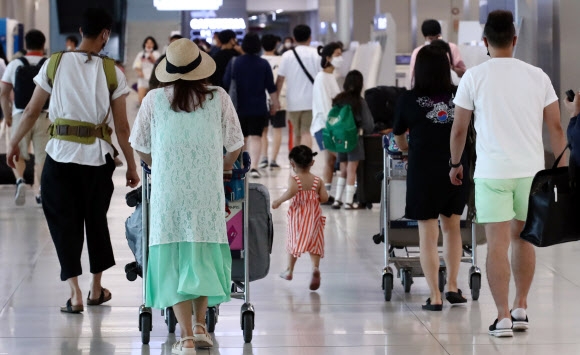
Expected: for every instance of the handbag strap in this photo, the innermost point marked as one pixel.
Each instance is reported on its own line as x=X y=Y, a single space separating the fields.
x=302 y=66
x=560 y=157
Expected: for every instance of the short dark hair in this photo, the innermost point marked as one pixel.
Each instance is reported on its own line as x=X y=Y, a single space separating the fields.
x=73 y=39
x=94 y=21
x=34 y=40
x=175 y=37
x=499 y=28
x=432 y=72
x=431 y=28
x=251 y=44
x=269 y=42
x=302 y=33
x=155 y=47
x=226 y=36
x=302 y=156
x=327 y=51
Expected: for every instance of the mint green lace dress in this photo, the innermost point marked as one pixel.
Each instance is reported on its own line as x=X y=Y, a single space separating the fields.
x=189 y=255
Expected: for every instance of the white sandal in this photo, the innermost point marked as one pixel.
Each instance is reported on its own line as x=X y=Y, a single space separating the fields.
x=202 y=340
x=178 y=348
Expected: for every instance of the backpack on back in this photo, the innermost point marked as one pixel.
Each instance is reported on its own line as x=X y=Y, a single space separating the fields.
x=341 y=133
x=24 y=83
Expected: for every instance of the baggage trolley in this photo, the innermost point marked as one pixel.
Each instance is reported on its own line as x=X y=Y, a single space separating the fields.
x=211 y=318
x=402 y=233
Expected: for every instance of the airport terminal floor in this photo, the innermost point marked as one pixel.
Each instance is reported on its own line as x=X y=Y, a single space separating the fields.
x=347 y=315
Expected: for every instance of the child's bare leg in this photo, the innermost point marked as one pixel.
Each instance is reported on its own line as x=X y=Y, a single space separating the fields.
x=315 y=282
x=287 y=275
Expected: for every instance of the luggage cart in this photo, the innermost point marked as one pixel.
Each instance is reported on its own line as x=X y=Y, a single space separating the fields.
x=402 y=234
x=212 y=314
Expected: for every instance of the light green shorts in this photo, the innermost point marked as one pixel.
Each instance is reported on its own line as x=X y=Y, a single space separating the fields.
x=501 y=200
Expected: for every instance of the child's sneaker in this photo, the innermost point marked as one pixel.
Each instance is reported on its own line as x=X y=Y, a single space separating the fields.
x=20 y=195
x=501 y=328
x=520 y=319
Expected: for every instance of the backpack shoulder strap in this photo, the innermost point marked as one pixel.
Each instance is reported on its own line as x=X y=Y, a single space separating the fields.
x=53 y=63
x=111 y=74
x=41 y=63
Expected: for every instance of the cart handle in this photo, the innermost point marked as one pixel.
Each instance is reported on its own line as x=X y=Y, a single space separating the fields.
x=146 y=167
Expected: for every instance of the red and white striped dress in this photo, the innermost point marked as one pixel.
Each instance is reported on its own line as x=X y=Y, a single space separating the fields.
x=305 y=222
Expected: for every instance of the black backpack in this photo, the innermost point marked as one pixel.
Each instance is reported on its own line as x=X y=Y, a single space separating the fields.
x=24 y=83
x=382 y=101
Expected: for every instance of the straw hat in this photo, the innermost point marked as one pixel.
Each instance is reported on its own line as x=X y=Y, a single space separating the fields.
x=184 y=61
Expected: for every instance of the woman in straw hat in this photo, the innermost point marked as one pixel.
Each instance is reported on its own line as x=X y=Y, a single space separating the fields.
x=181 y=131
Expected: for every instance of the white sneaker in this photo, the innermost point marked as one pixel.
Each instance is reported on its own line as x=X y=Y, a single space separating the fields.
x=20 y=195
x=501 y=328
x=520 y=319
x=255 y=173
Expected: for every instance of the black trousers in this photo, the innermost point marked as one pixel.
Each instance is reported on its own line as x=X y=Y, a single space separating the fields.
x=74 y=198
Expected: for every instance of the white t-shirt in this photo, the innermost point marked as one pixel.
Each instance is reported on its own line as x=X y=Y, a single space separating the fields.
x=274 y=61
x=508 y=97
x=9 y=75
x=143 y=63
x=80 y=93
x=299 y=87
x=325 y=89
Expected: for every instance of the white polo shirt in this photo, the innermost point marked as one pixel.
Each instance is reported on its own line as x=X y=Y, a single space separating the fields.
x=298 y=86
x=80 y=93
x=508 y=97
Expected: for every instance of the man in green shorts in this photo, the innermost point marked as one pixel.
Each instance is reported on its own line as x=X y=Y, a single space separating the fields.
x=511 y=100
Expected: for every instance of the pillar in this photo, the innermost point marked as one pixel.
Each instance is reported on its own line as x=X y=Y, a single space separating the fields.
x=344 y=21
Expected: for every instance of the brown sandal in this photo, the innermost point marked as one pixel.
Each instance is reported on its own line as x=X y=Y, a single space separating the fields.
x=69 y=308
x=102 y=299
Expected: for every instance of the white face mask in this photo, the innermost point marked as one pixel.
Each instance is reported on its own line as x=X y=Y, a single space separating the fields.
x=337 y=62
x=288 y=44
x=215 y=43
x=69 y=48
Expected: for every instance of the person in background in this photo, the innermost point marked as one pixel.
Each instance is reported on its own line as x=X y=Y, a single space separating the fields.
x=278 y=120
x=510 y=100
x=299 y=83
x=324 y=91
x=253 y=76
x=216 y=45
x=72 y=43
x=228 y=50
x=153 y=82
x=189 y=256
x=287 y=45
x=352 y=95
x=16 y=83
x=573 y=132
x=305 y=220
x=427 y=111
x=431 y=30
x=143 y=65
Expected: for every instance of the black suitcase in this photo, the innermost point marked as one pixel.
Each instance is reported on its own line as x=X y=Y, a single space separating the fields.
x=369 y=172
x=7 y=176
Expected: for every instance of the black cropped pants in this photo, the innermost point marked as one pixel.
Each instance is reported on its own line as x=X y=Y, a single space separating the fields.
x=75 y=200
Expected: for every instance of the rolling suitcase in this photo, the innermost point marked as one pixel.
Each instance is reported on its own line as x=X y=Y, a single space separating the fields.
x=369 y=172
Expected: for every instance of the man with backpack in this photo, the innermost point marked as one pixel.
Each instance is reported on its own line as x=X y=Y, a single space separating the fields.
x=18 y=78
x=87 y=99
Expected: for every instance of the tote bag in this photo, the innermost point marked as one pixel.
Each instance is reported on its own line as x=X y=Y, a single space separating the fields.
x=554 y=208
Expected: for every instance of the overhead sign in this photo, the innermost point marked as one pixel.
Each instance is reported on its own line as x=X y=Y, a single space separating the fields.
x=217 y=24
x=182 y=5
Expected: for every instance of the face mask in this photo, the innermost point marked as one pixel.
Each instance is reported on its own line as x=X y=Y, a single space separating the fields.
x=215 y=43
x=288 y=45
x=69 y=48
x=337 y=62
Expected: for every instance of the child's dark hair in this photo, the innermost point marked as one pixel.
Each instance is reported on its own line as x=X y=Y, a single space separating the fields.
x=353 y=86
x=302 y=156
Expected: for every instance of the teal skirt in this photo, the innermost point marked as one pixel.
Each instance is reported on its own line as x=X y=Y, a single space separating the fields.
x=184 y=271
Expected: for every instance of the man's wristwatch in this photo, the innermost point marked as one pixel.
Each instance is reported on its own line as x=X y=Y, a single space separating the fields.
x=451 y=165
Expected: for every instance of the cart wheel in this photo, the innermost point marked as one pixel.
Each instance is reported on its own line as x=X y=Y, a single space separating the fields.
x=407 y=280
x=248 y=326
x=475 y=285
x=131 y=276
x=388 y=286
x=210 y=319
x=145 y=326
x=442 y=279
x=369 y=206
x=170 y=319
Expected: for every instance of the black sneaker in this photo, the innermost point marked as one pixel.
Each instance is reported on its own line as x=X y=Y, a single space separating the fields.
x=521 y=324
x=263 y=164
x=501 y=329
x=455 y=297
x=20 y=195
x=38 y=200
x=273 y=165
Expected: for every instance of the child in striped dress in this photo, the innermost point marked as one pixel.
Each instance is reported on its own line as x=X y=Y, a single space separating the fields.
x=305 y=219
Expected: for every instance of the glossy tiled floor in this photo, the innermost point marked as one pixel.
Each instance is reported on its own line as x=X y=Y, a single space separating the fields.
x=346 y=316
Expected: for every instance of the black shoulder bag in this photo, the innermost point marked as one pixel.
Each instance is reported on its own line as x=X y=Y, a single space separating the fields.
x=302 y=66
x=554 y=207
